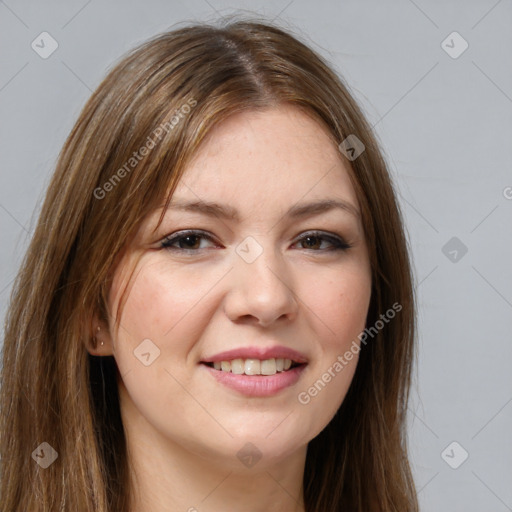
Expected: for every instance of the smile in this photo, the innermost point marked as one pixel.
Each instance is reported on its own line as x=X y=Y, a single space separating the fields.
x=253 y=366
x=256 y=384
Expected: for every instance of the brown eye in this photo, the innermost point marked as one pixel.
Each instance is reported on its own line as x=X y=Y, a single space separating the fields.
x=188 y=242
x=314 y=242
x=311 y=242
x=185 y=241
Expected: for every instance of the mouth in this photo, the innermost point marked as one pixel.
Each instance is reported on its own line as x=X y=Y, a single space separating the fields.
x=254 y=367
x=256 y=377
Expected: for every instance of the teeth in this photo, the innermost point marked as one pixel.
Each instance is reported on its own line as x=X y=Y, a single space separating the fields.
x=254 y=366
x=268 y=367
x=237 y=366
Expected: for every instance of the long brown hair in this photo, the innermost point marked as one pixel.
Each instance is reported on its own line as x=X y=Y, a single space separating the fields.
x=185 y=82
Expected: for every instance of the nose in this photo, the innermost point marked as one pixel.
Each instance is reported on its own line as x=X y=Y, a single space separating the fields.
x=261 y=291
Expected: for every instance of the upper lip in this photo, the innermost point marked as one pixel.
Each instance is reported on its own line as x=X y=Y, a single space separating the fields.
x=275 y=352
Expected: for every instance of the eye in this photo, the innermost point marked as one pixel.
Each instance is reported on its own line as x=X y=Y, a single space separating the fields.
x=190 y=241
x=185 y=241
x=314 y=240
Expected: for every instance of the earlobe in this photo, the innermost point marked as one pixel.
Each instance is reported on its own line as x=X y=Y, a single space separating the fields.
x=95 y=338
x=99 y=344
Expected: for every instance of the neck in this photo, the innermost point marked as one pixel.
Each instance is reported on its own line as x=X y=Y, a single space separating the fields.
x=167 y=476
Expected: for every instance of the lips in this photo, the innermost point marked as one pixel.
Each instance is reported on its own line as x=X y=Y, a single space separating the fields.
x=261 y=353
x=266 y=370
x=256 y=385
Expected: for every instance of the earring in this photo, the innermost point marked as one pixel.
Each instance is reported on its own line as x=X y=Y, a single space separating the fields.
x=98 y=329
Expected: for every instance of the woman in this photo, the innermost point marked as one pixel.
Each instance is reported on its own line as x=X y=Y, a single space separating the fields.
x=216 y=310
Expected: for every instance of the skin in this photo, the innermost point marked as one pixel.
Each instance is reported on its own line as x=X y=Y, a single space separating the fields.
x=183 y=428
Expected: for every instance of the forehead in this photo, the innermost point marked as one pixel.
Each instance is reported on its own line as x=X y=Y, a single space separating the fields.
x=257 y=160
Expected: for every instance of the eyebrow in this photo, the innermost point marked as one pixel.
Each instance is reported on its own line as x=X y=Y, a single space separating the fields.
x=297 y=211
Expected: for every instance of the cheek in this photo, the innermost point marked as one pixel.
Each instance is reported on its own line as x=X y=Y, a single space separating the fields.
x=162 y=317
x=161 y=305
x=341 y=305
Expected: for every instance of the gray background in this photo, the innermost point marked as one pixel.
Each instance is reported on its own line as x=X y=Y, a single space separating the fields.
x=445 y=125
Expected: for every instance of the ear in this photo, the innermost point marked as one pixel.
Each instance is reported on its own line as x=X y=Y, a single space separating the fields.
x=99 y=340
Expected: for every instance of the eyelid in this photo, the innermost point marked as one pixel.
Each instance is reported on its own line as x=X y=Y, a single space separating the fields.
x=184 y=233
x=337 y=241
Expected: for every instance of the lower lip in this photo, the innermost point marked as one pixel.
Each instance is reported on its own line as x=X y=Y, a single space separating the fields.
x=257 y=385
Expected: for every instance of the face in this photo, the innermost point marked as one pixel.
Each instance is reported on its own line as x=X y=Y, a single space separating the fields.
x=259 y=278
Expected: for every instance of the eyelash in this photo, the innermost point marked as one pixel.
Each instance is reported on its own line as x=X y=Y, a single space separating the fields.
x=338 y=243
